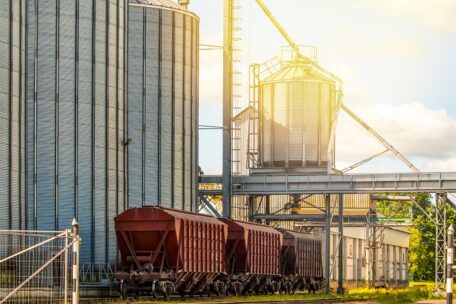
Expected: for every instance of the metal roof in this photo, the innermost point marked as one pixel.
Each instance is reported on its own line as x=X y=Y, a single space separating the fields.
x=164 y=3
x=245 y=226
x=151 y=213
x=297 y=71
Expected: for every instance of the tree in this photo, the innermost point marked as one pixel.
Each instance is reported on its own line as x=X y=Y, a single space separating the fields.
x=422 y=238
x=422 y=232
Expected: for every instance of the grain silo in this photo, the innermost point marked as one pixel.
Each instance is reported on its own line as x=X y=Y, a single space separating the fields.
x=75 y=119
x=297 y=108
x=12 y=109
x=162 y=104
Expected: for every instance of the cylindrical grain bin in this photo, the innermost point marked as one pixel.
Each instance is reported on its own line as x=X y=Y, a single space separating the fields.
x=75 y=119
x=297 y=107
x=162 y=104
x=12 y=109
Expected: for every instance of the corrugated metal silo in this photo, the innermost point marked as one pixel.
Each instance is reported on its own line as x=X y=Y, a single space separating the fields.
x=12 y=109
x=162 y=104
x=75 y=117
x=297 y=108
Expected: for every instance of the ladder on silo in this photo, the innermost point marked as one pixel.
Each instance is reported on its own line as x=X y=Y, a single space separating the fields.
x=253 y=145
x=236 y=88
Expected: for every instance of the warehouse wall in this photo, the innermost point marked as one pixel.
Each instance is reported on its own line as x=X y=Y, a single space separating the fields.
x=391 y=262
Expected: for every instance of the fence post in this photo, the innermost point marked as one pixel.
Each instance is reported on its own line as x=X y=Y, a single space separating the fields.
x=449 y=279
x=65 y=272
x=75 y=270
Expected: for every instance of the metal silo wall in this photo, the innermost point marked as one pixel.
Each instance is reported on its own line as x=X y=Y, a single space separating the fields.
x=162 y=106
x=75 y=117
x=12 y=109
x=296 y=122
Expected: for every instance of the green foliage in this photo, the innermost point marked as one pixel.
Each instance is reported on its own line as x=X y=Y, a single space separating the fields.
x=422 y=240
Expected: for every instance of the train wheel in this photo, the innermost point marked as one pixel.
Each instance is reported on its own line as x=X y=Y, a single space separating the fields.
x=165 y=295
x=123 y=288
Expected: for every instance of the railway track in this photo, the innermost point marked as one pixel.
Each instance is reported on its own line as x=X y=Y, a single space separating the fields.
x=300 y=301
x=145 y=300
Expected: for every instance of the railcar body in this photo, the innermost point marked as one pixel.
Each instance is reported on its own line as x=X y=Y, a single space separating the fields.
x=167 y=251
x=252 y=257
x=301 y=262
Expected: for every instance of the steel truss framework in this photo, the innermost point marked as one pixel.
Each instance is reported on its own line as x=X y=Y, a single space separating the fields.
x=438 y=183
x=264 y=185
x=354 y=183
x=440 y=241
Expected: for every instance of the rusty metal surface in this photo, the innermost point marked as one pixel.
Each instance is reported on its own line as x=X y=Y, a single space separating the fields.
x=253 y=248
x=301 y=254
x=171 y=240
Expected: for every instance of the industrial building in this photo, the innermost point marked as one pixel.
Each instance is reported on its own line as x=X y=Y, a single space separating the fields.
x=12 y=114
x=163 y=52
x=387 y=267
x=75 y=119
x=99 y=113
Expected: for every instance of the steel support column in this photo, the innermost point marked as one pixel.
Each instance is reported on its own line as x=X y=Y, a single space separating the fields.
x=327 y=242
x=340 y=287
x=440 y=241
x=227 y=104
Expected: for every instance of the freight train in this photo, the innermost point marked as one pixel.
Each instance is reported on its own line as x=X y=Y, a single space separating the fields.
x=166 y=251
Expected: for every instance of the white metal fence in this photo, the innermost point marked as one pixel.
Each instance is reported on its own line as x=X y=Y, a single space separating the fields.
x=39 y=266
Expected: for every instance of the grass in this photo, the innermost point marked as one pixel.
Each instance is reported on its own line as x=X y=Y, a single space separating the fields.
x=416 y=292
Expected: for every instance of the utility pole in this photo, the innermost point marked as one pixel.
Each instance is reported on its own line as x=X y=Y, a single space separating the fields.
x=340 y=287
x=450 y=257
x=227 y=104
x=327 y=242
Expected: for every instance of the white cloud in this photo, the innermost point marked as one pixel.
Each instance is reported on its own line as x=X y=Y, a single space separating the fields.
x=441 y=165
x=415 y=130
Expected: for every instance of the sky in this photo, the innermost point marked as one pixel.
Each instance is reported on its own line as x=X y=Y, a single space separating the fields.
x=396 y=59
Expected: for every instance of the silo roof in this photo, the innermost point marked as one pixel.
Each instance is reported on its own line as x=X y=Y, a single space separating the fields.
x=164 y=3
x=297 y=71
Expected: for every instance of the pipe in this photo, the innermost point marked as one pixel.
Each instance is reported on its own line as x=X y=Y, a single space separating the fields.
x=279 y=27
x=380 y=139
